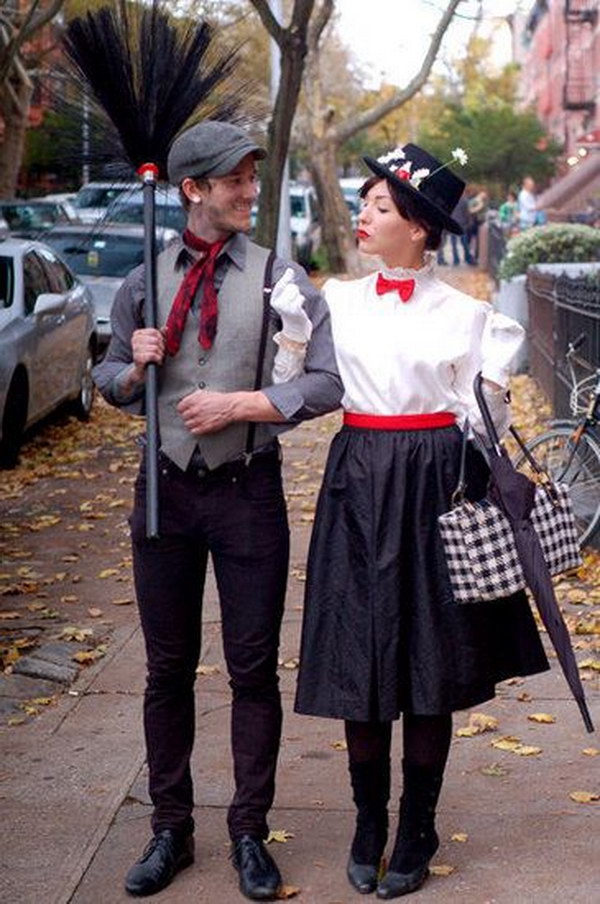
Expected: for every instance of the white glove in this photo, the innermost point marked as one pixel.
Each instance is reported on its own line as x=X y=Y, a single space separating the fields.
x=287 y=300
x=289 y=360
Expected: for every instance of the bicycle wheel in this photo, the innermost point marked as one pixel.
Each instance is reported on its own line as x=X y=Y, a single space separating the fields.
x=578 y=468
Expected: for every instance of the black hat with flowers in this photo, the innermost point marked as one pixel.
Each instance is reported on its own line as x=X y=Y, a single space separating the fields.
x=434 y=187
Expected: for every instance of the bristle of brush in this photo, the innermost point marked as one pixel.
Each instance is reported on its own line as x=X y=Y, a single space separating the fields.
x=150 y=75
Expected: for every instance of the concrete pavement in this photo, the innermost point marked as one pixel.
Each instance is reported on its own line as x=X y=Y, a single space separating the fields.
x=75 y=811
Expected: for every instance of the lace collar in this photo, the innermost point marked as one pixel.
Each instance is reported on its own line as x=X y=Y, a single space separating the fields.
x=429 y=261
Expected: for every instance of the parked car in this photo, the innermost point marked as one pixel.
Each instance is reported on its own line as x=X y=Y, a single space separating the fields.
x=65 y=198
x=102 y=256
x=350 y=186
x=304 y=223
x=129 y=208
x=92 y=200
x=33 y=217
x=48 y=340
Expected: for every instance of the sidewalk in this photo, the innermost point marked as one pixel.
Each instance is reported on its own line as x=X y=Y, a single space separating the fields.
x=75 y=811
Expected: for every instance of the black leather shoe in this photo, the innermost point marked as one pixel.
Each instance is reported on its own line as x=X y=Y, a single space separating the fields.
x=164 y=856
x=260 y=878
x=362 y=876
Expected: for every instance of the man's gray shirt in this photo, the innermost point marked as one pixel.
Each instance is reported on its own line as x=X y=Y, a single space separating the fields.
x=318 y=390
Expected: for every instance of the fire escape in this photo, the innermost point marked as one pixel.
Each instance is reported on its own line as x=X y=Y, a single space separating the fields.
x=580 y=88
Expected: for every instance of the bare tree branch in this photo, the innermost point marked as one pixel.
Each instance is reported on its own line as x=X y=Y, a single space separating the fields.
x=268 y=20
x=322 y=17
x=349 y=128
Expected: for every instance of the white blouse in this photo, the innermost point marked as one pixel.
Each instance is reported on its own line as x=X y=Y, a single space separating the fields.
x=419 y=356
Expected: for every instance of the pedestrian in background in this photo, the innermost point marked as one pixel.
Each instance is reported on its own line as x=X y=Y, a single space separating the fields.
x=478 y=207
x=462 y=215
x=508 y=213
x=527 y=201
x=382 y=634
x=219 y=487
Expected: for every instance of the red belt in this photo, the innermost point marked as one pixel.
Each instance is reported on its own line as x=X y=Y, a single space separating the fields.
x=400 y=421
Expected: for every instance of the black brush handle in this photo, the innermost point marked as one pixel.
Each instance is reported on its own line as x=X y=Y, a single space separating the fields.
x=150 y=319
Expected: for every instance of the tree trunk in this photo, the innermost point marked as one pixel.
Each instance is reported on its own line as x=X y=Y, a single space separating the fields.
x=337 y=232
x=293 y=51
x=14 y=116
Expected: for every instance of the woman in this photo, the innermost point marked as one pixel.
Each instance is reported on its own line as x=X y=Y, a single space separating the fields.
x=382 y=635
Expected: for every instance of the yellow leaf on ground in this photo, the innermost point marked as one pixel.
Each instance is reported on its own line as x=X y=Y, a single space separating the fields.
x=545 y=718
x=339 y=745
x=287 y=891
x=124 y=602
x=71 y=598
x=16 y=720
x=279 y=835
x=590 y=664
x=590 y=751
x=495 y=769
x=478 y=723
x=576 y=595
x=584 y=797
x=93 y=612
x=291 y=663
x=524 y=697
x=108 y=572
x=442 y=869
x=9 y=615
x=459 y=836
x=527 y=750
x=507 y=742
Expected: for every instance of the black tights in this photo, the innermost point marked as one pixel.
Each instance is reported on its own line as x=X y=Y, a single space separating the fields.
x=426 y=740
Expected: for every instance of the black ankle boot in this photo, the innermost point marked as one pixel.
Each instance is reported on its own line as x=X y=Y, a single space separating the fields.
x=416 y=839
x=371 y=792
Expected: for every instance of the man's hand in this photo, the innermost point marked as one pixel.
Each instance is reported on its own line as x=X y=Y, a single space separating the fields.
x=207 y=412
x=148 y=347
x=204 y=411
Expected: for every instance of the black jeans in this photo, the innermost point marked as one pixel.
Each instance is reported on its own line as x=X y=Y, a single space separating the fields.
x=238 y=515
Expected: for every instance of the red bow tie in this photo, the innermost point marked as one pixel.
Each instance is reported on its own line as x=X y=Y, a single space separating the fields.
x=404 y=287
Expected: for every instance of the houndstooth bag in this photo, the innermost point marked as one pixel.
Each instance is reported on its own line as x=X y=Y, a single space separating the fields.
x=478 y=539
x=480 y=549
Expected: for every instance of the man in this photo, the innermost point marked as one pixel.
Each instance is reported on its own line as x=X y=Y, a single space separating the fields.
x=527 y=204
x=219 y=487
x=463 y=217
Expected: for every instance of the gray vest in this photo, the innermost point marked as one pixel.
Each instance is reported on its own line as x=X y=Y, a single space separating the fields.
x=229 y=366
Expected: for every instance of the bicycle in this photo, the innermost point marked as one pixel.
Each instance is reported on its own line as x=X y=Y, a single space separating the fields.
x=570 y=450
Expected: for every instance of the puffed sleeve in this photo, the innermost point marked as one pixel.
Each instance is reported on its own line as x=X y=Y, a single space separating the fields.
x=495 y=339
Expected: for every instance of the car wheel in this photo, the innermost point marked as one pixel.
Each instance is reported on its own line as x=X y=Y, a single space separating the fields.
x=14 y=420
x=82 y=406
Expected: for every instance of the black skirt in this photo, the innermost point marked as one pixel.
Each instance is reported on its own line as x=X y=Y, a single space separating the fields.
x=382 y=633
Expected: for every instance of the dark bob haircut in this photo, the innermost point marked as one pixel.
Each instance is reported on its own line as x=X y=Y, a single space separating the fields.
x=410 y=210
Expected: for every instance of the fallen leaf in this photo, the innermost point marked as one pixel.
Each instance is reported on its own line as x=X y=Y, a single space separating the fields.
x=291 y=663
x=287 y=891
x=127 y=601
x=86 y=657
x=71 y=598
x=108 y=572
x=93 y=612
x=442 y=869
x=584 y=797
x=590 y=751
x=16 y=720
x=459 y=836
x=7 y=616
x=507 y=742
x=495 y=769
x=524 y=697
x=339 y=745
x=590 y=664
x=279 y=835
x=527 y=750
x=73 y=633
x=478 y=723
x=544 y=718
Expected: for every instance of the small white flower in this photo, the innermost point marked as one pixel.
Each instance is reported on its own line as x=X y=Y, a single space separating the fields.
x=396 y=154
x=418 y=176
x=460 y=156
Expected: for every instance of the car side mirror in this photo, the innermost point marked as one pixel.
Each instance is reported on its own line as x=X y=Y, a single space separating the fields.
x=49 y=303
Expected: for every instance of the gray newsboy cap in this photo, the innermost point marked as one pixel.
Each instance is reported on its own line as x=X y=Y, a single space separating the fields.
x=210 y=148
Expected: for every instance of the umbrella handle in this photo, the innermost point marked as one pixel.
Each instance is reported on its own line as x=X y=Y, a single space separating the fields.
x=485 y=414
x=149 y=174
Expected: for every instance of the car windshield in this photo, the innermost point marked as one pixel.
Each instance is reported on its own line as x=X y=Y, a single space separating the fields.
x=6 y=281
x=170 y=216
x=32 y=216
x=100 y=255
x=298 y=206
x=96 y=197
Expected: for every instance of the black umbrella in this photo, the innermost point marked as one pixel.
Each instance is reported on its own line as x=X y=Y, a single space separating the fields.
x=514 y=494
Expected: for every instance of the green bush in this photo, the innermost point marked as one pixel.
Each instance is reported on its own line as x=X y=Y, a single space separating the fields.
x=555 y=243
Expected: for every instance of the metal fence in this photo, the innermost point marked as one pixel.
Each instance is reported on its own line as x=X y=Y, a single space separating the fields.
x=562 y=307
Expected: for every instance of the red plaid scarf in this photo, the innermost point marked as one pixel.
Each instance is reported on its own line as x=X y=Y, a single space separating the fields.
x=203 y=268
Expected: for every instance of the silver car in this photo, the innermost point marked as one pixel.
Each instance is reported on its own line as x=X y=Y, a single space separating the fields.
x=48 y=341
x=102 y=256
